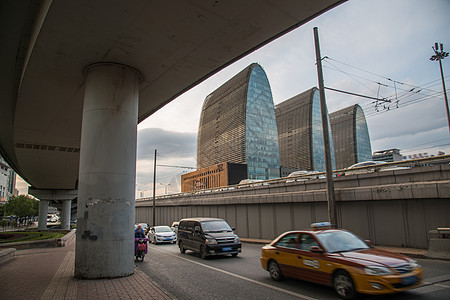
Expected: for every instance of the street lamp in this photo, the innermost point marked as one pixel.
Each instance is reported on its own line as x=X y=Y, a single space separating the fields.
x=165 y=187
x=142 y=193
x=438 y=56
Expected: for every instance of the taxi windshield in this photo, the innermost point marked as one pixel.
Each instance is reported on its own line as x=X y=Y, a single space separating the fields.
x=341 y=241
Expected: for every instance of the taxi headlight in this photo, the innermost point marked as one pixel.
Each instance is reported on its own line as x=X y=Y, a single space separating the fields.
x=413 y=264
x=211 y=241
x=377 y=270
x=237 y=240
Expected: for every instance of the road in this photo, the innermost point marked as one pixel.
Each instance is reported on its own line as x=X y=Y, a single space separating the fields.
x=186 y=276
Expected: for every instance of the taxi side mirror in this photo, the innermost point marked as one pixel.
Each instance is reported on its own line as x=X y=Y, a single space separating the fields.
x=316 y=249
x=368 y=242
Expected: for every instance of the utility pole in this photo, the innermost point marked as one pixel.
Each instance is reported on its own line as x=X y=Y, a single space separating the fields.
x=332 y=215
x=440 y=55
x=154 y=190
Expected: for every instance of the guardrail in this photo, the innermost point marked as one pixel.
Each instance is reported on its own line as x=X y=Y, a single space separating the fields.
x=389 y=166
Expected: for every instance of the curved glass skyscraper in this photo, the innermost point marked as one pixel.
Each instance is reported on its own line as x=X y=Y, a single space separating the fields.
x=351 y=136
x=300 y=132
x=238 y=125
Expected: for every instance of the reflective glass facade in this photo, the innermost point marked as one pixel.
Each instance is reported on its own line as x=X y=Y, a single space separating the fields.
x=262 y=151
x=351 y=136
x=363 y=146
x=300 y=133
x=238 y=125
x=318 y=150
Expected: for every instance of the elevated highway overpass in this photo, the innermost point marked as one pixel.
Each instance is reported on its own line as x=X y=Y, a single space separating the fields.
x=78 y=76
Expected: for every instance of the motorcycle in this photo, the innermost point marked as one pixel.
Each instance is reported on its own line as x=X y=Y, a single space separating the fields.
x=140 y=248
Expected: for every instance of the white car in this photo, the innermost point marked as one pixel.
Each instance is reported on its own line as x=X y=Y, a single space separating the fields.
x=52 y=218
x=174 y=226
x=304 y=175
x=372 y=166
x=162 y=234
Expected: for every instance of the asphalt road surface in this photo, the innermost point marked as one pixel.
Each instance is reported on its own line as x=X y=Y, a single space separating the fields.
x=186 y=276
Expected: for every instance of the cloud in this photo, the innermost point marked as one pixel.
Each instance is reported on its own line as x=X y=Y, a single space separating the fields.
x=174 y=151
x=168 y=143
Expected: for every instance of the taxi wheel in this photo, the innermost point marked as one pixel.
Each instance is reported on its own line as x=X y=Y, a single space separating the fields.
x=343 y=285
x=180 y=245
x=274 y=271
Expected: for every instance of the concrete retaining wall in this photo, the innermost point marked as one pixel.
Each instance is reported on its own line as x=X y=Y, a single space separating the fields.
x=61 y=242
x=391 y=223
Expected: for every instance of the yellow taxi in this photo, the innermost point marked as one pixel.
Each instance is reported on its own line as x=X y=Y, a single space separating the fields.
x=339 y=258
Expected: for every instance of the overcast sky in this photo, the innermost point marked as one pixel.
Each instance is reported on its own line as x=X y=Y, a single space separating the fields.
x=367 y=42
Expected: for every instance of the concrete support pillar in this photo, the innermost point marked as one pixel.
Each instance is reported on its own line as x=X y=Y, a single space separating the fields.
x=106 y=186
x=65 y=214
x=43 y=211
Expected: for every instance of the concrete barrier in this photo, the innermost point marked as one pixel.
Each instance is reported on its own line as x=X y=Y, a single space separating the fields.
x=6 y=254
x=439 y=245
x=439 y=248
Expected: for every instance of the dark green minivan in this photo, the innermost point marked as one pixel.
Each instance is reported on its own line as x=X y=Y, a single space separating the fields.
x=208 y=236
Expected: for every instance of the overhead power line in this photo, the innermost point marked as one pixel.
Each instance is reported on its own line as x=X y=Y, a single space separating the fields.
x=355 y=94
x=181 y=167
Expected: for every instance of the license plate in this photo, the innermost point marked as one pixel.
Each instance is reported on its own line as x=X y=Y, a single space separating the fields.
x=227 y=249
x=167 y=239
x=409 y=280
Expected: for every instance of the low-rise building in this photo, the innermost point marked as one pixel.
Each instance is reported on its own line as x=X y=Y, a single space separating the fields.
x=214 y=176
x=7 y=180
x=389 y=155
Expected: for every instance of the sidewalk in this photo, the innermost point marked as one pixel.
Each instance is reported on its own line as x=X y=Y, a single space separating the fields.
x=47 y=273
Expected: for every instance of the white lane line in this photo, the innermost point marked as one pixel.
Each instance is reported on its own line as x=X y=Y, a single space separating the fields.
x=241 y=277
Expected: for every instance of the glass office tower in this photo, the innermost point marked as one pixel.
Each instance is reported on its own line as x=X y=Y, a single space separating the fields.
x=351 y=136
x=300 y=132
x=238 y=125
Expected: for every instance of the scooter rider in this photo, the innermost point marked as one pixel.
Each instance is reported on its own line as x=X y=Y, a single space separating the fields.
x=139 y=233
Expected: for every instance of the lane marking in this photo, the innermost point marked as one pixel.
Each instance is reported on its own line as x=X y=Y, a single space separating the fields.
x=437 y=279
x=241 y=277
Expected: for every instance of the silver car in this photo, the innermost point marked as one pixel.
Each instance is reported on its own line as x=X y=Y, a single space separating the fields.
x=162 y=234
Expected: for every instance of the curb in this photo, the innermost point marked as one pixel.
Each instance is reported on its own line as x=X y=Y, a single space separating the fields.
x=7 y=254
x=413 y=255
x=67 y=238
x=255 y=241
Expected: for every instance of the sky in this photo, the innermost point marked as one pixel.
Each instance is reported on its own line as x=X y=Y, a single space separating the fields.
x=378 y=48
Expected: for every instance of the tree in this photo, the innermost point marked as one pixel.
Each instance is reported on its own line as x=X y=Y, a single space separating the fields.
x=22 y=206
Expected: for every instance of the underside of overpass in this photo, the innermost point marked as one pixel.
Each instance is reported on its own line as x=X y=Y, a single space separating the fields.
x=77 y=77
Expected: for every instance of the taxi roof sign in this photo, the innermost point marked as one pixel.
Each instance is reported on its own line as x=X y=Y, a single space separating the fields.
x=321 y=225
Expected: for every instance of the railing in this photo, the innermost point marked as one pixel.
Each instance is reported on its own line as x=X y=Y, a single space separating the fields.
x=390 y=166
